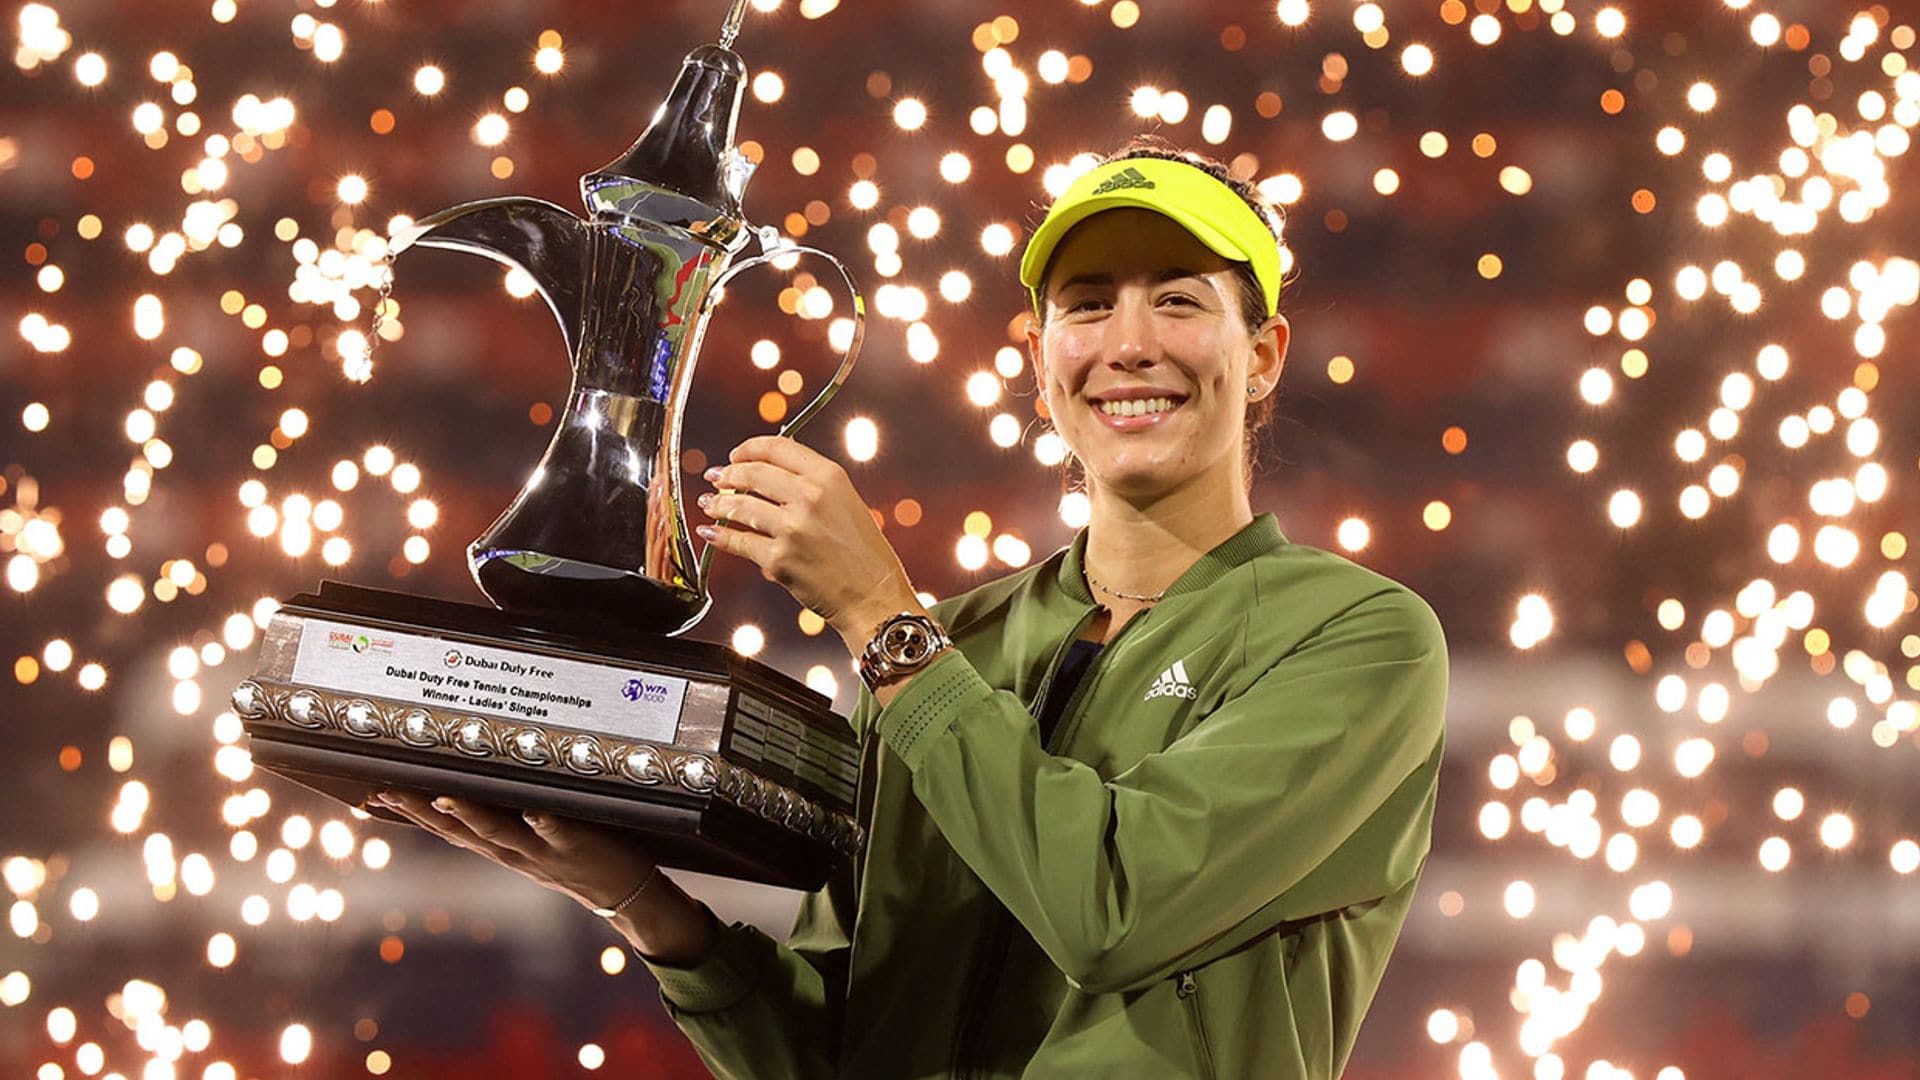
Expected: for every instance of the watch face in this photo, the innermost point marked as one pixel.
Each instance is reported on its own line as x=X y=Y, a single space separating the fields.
x=905 y=643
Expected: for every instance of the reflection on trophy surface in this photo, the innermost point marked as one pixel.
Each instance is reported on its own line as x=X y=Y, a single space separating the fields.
x=569 y=695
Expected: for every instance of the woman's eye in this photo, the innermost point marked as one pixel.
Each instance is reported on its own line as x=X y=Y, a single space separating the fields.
x=1179 y=298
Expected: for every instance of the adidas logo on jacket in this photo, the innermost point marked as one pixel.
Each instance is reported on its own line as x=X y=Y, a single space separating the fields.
x=1173 y=683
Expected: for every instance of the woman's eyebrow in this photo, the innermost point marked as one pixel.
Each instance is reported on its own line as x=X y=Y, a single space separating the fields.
x=1171 y=273
x=1087 y=279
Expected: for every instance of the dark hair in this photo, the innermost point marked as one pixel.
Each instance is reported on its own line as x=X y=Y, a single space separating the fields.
x=1253 y=298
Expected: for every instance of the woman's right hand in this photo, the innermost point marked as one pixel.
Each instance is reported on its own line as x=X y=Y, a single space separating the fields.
x=596 y=866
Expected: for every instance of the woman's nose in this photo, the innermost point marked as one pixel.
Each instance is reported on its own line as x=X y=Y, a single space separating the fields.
x=1130 y=332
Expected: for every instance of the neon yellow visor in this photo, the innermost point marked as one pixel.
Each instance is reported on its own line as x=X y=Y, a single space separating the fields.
x=1186 y=193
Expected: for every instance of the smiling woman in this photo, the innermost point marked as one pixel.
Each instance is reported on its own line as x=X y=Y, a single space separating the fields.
x=1255 y=290
x=1141 y=332
x=1153 y=806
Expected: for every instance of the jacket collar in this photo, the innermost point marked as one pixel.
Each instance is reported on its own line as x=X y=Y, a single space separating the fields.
x=1260 y=536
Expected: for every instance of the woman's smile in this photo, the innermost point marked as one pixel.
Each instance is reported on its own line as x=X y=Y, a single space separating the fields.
x=1136 y=414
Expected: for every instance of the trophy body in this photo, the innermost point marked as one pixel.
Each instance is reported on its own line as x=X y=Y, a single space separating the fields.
x=598 y=529
x=571 y=695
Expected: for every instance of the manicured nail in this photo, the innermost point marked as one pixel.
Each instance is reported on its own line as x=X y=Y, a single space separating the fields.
x=705 y=500
x=705 y=532
x=711 y=476
x=537 y=820
x=443 y=804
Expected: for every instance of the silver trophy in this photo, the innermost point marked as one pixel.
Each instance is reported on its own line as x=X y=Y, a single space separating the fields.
x=599 y=527
x=570 y=695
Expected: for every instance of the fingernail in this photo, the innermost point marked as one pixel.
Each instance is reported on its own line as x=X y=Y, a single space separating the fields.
x=704 y=532
x=705 y=500
x=536 y=820
x=443 y=804
x=711 y=476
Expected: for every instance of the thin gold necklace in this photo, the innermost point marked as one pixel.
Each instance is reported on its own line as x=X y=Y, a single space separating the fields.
x=1095 y=582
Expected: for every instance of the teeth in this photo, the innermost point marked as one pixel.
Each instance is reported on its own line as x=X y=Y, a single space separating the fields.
x=1136 y=407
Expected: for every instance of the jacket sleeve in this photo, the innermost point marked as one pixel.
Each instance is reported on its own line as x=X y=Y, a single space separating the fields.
x=1310 y=791
x=754 y=1008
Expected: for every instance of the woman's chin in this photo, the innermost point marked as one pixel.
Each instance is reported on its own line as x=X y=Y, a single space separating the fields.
x=1138 y=479
x=1146 y=477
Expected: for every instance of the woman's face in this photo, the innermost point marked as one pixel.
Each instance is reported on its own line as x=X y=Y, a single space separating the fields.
x=1145 y=357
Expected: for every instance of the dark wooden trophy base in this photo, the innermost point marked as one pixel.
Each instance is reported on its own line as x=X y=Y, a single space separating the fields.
x=720 y=763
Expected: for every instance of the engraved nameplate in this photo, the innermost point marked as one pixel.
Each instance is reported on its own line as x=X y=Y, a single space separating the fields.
x=457 y=675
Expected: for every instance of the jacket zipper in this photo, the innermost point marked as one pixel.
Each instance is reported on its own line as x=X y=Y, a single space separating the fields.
x=864 y=792
x=1187 y=989
x=1069 y=719
x=984 y=974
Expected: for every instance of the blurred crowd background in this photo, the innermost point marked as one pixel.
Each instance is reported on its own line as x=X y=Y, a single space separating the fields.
x=1494 y=335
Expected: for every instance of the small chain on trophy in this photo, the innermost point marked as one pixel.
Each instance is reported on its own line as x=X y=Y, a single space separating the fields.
x=379 y=313
x=731 y=28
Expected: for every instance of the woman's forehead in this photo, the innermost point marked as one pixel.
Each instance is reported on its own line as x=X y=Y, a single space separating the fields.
x=1131 y=240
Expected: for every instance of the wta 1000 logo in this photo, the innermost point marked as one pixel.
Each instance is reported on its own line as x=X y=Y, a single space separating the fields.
x=645 y=691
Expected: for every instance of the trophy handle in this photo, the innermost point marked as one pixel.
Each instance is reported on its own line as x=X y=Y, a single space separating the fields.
x=839 y=379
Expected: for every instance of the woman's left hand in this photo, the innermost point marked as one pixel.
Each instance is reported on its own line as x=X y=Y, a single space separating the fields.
x=794 y=512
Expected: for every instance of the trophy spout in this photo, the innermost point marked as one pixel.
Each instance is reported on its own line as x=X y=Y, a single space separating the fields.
x=545 y=241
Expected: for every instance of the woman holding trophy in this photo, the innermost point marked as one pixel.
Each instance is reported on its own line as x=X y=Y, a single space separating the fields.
x=1154 y=806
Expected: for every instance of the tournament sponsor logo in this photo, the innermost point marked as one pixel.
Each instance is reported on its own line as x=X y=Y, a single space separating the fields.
x=645 y=690
x=359 y=643
x=452 y=659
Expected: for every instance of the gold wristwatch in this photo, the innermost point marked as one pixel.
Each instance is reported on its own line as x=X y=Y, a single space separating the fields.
x=904 y=644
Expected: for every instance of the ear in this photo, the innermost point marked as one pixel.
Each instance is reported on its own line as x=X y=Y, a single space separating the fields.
x=1269 y=354
x=1036 y=354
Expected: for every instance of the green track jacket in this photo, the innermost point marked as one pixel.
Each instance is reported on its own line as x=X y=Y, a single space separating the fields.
x=1201 y=876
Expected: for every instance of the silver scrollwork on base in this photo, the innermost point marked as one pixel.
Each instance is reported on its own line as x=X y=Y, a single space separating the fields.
x=644 y=765
x=639 y=764
x=362 y=717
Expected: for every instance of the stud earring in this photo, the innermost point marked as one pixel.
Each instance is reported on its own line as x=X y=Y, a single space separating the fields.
x=1253 y=391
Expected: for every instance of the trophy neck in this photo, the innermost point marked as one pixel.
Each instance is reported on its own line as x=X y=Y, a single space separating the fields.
x=646 y=288
x=688 y=147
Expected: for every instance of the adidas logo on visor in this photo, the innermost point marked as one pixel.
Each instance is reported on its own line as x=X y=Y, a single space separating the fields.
x=1125 y=178
x=1173 y=682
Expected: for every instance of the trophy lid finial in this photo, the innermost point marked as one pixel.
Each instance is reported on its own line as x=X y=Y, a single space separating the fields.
x=731 y=28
